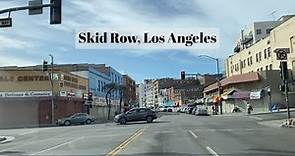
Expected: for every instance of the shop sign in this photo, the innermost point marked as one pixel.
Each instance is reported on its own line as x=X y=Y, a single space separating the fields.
x=25 y=94
x=255 y=95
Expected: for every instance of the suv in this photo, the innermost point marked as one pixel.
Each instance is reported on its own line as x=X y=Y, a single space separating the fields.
x=136 y=114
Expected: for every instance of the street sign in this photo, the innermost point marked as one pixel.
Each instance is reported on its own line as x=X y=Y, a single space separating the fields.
x=282 y=53
x=38 y=10
x=5 y=22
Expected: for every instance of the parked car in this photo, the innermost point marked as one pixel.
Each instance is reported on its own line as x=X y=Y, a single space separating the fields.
x=201 y=110
x=136 y=114
x=170 y=109
x=194 y=110
x=189 y=110
x=78 y=118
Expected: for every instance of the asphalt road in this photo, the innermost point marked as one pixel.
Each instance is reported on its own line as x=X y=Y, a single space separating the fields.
x=171 y=134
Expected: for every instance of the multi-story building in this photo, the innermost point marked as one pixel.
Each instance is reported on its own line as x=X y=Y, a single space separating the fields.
x=148 y=98
x=140 y=94
x=99 y=75
x=26 y=96
x=252 y=73
x=129 y=93
x=257 y=31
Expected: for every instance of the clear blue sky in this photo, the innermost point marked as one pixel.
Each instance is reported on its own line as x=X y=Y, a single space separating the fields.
x=31 y=38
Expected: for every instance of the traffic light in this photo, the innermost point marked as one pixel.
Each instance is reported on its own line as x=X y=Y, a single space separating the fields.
x=55 y=12
x=182 y=75
x=45 y=66
x=284 y=70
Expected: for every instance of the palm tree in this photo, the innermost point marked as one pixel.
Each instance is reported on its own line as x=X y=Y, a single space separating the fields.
x=110 y=88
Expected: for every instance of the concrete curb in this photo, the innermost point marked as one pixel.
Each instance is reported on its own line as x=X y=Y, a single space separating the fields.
x=261 y=113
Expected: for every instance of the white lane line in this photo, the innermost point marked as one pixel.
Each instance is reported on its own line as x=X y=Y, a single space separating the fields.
x=193 y=134
x=210 y=150
x=57 y=146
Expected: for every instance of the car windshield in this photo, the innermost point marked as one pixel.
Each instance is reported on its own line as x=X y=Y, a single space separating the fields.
x=147 y=77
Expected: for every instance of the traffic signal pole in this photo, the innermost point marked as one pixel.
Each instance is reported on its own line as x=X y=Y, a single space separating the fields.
x=9 y=10
x=287 y=99
x=52 y=90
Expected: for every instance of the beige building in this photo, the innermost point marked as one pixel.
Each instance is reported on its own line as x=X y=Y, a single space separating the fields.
x=261 y=55
x=252 y=72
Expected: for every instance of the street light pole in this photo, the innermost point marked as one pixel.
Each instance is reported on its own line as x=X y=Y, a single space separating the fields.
x=52 y=95
x=218 y=80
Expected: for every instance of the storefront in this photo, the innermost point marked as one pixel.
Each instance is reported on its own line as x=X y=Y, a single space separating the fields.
x=26 y=97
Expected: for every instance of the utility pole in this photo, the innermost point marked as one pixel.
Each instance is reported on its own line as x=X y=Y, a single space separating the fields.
x=52 y=90
x=218 y=80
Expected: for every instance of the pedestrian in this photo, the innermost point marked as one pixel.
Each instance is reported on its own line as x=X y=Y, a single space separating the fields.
x=249 y=108
x=213 y=109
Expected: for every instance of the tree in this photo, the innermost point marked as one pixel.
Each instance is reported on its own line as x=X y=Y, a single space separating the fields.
x=110 y=88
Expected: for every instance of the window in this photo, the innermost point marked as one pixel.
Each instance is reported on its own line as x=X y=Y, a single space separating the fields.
x=258 y=69
x=265 y=54
x=244 y=62
x=248 y=62
x=260 y=56
x=257 y=57
x=268 y=51
x=258 y=31
x=142 y=110
x=270 y=67
x=266 y=67
x=251 y=60
x=261 y=68
x=98 y=85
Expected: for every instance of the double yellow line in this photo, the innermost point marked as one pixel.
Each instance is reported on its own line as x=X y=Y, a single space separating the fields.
x=124 y=144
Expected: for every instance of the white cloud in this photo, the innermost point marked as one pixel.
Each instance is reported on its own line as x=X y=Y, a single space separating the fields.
x=12 y=43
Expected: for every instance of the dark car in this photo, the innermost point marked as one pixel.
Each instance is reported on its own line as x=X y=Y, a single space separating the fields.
x=78 y=118
x=136 y=114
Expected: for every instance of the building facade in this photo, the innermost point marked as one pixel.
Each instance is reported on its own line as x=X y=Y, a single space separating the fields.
x=129 y=93
x=25 y=96
x=252 y=72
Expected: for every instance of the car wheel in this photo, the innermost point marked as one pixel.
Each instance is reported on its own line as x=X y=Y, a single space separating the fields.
x=123 y=121
x=88 y=121
x=149 y=119
x=67 y=123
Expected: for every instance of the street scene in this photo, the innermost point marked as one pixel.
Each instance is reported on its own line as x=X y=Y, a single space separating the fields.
x=166 y=77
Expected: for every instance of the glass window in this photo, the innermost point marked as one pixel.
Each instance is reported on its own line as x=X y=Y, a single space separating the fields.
x=251 y=60
x=257 y=57
x=258 y=31
x=266 y=67
x=260 y=56
x=270 y=67
x=98 y=85
x=265 y=54
x=268 y=51
x=261 y=68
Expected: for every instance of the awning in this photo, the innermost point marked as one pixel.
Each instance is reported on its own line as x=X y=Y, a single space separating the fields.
x=227 y=93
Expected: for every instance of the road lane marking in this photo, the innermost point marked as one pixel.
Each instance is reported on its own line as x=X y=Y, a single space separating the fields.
x=57 y=146
x=124 y=144
x=193 y=134
x=211 y=151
